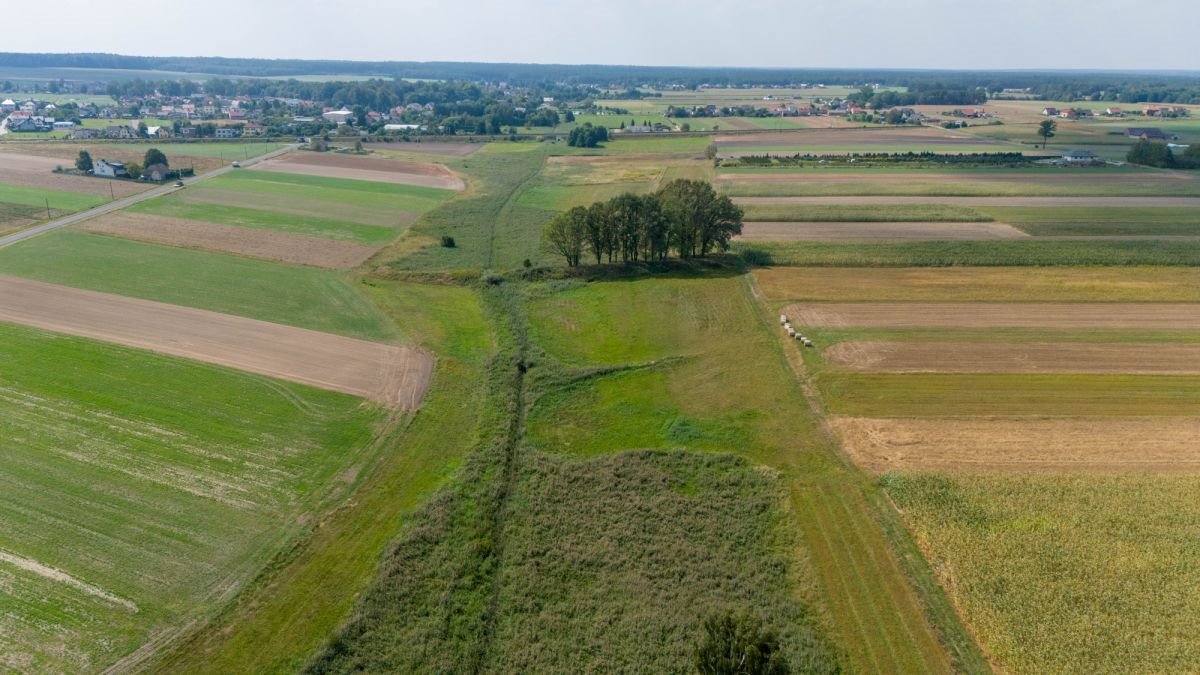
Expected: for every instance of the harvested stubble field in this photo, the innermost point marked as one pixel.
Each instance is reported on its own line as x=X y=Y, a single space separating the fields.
x=980 y=284
x=1020 y=444
x=375 y=169
x=38 y=172
x=391 y=375
x=936 y=356
x=1165 y=316
x=877 y=231
x=889 y=136
x=253 y=243
x=140 y=492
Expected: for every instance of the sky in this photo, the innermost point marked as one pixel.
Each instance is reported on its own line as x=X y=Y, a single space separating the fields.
x=959 y=34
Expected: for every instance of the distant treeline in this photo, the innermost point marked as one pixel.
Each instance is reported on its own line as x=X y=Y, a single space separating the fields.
x=1121 y=86
x=1151 y=153
x=920 y=93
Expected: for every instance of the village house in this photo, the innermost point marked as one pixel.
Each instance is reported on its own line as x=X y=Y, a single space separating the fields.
x=109 y=169
x=84 y=134
x=253 y=129
x=7 y=105
x=1050 y=112
x=338 y=116
x=227 y=132
x=156 y=172
x=1114 y=112
x=1080 y=157
x=1146 y=133
x=120 y=131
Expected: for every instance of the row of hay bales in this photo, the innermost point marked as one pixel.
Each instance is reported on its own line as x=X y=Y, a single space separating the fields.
x=792 y=332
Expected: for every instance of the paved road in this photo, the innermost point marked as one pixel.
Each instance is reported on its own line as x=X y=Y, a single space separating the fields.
x=131 y=200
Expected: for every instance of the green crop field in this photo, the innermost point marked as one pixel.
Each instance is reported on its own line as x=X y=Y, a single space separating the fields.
x=869 y=213
x=177 y=206
x=983 y=253
x=1066 y=221
x=158 y=485
x=1059 y=573
x=297 y=296
x=340 y=190
x=57 y=199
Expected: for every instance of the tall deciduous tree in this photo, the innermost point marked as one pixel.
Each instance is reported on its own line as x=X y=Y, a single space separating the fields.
x=84 y=161
x=1046 y=130
x=154 y=156
x=567 y=234
x=700 y=220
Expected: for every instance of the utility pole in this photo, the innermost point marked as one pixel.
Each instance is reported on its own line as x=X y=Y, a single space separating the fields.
x=47 y=208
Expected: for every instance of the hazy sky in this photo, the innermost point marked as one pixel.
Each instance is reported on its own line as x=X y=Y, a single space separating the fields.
x=1101 y=34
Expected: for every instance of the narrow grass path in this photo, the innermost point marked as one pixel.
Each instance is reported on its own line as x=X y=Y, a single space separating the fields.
x=889 y=613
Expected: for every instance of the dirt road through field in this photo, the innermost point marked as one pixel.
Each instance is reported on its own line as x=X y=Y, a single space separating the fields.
x=393 y=375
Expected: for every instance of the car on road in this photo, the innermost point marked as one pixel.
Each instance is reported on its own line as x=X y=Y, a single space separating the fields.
x=237 y=165
x=178 y=183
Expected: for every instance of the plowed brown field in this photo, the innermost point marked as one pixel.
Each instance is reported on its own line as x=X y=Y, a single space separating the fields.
x=1122 y=444
x=254 y=243
x=1165 y=316
x=393 y=375
x=933 y=356
x=876 y=231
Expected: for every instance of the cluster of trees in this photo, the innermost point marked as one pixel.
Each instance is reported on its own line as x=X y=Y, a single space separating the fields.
x=922 y=93
x=587 y=136
x=686 y=216
x=1153 y=153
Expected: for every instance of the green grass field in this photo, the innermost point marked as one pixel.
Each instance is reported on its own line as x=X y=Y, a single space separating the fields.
x=58 y=200
x=341 y=190
x=1067 y=221
x=681 y=350
x=1063 y=574
x=177 y=206
x=868 y=213
x=293 y=295
x=979 y=253
x=163 y=484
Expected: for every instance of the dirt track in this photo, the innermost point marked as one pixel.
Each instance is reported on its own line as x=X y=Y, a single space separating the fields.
x=972 y=201
x=934 y=356
x=366 y=168
x=392 y=375
x=1154 y=316
x=876 y=231
x=250 y=242
x=1011 y=445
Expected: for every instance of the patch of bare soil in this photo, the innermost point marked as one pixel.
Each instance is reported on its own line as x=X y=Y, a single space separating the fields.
x=972 y=201
x=1164 y=316
x=934 y=356
x=1016 y=445
x=366 y=168
x=876 y=231
x=392 y=375
x=250 y=242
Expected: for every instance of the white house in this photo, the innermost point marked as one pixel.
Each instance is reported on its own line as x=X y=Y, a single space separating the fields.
x=109 y=169
x=64 y=125
x=227 y=132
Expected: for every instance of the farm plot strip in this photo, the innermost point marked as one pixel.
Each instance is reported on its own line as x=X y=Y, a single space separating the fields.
x=254 y=243
x=64 y=578
x=861 y=200
x=960 y=177
x=38 y=172
x=1164 y=316
x=392 y=375
x=876 y=231
x=935 y=356
x=395 y=171
x=1017 y=445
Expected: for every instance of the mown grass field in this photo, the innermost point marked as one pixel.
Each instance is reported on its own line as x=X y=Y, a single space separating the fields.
x=58 y=200
x=1067 y=574
x=340 y=190
x=682 y=349
x=177 y=206
x=162 y=483
x=1066 y=221
x=917 y=213
x=281 y=622
x=293 y=295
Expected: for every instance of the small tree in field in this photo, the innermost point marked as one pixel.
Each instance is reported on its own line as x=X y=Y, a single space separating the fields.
x=737 y=644
x=84 y=161
x=1046 y=131
x=154 y=156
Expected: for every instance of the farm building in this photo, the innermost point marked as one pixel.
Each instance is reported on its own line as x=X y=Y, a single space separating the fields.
x=156 y=172
x=1146 y=133
x=8 y=105
x=1050 y=112
x=338 y=116
x=1080 y=157
x=109 y=169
